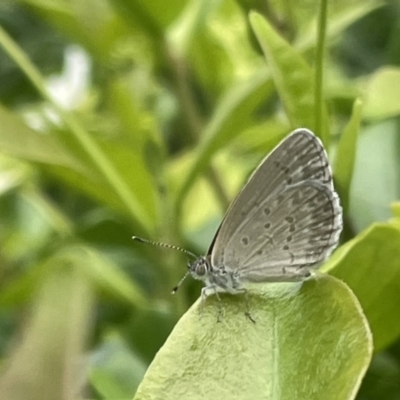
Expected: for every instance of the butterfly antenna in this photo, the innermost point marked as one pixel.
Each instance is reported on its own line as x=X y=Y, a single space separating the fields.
x=168 y=246
x=175 y=289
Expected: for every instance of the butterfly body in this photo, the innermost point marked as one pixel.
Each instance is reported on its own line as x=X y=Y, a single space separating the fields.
x=216 y=278
x=223 y=279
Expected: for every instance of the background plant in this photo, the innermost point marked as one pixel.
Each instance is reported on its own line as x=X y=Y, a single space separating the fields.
x=132 y=117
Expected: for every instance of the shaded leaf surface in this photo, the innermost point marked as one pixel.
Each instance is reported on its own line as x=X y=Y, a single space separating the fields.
x=370 y=265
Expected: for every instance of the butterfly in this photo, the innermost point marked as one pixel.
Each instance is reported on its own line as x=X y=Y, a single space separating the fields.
x=285 y=221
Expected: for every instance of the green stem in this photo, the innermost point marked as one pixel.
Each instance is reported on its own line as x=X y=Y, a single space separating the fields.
x=219 y=190
x=194 y=122
x=195 y=125
x=319 y=72
x=291 y=22
x=97 y=156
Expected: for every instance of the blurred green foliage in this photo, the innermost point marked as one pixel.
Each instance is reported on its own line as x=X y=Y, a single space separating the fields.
x=133 y=117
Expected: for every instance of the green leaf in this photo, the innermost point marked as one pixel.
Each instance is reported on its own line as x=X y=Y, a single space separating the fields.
x=18 y=140
x=130 y=166
x=292 y=76
x=191 y=21
x=115 y=370
x=396 y=209
x=310 y=341
x=346 y=154
x=377 y=157
x=232 y=114
x=340 y=20
x=382 y=99
x=370 y=265
x=85 y=140
x=53 y=152
x=43 y=366
x=153 y=16
x=12 y=174
x=104 y=273
x=101 y=272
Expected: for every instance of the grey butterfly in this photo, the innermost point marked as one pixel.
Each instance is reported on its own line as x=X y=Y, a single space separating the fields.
x=286 y=220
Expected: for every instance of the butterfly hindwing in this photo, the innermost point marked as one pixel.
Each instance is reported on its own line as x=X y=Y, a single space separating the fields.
x=286 y=216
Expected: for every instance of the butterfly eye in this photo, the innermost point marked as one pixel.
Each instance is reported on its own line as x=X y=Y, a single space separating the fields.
x=200 y=269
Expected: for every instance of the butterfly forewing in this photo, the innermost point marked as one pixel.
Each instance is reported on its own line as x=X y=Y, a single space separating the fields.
x=286 y=217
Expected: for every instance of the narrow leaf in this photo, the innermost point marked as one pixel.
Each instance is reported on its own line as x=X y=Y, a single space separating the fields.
x=346 y=154
x=339 y=21
x=292 y=76
x=43 y=366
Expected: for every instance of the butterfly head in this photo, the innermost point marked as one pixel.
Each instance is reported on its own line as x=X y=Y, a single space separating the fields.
x=200 y=268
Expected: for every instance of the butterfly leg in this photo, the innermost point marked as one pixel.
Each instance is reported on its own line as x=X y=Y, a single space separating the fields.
x=236 y=289
x=247 y=312
x=204 y=295
x=246 y=296
x=207 y=291
x=220 y=310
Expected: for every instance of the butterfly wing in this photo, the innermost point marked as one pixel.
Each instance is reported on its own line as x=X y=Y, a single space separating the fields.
x=287 y=216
